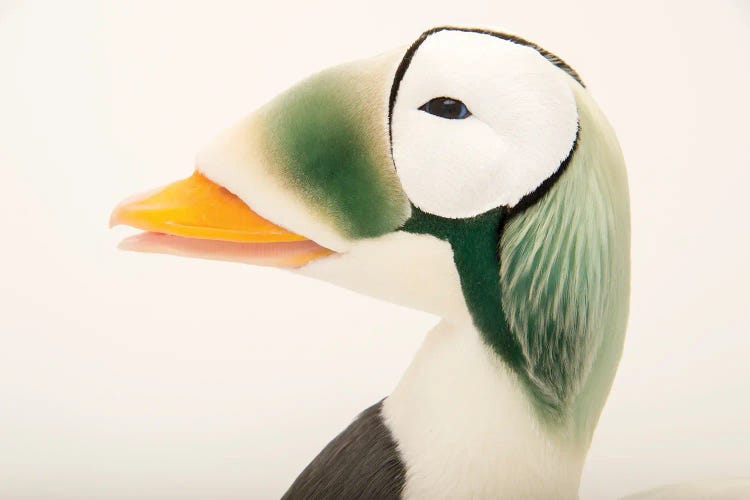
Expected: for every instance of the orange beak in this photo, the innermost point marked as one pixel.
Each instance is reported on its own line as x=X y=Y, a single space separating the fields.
x=198 y=218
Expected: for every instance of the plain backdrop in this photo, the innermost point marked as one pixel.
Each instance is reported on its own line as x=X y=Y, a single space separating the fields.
x=143 y=376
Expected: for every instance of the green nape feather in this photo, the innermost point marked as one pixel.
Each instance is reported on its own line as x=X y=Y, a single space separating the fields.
x=565 y=277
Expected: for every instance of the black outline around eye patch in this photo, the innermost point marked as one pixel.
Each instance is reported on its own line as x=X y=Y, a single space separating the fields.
x=545 y=186
x=409 y=55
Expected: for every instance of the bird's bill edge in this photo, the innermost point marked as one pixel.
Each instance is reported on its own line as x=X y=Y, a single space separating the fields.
x=198 y=218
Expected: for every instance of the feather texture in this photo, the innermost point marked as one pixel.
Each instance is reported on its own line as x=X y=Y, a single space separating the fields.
x=565 y=273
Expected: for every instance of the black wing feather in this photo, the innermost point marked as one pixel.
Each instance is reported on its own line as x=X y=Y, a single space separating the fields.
x=360 y=463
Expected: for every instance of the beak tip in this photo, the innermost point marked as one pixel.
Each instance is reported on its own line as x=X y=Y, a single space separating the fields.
x=116 y=218
x=126 y=245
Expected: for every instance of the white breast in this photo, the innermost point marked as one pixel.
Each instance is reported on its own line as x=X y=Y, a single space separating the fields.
x=466 y=430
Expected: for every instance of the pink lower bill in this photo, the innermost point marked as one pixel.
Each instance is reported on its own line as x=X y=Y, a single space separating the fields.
x=285 y=254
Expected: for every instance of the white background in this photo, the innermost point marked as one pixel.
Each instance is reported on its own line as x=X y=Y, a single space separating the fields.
x=126 y=375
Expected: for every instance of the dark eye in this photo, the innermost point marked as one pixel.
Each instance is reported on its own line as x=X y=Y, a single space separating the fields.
x=446 y=107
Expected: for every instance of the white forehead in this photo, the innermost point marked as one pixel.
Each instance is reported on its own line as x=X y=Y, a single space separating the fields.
x=523 y=123
x=452 y=58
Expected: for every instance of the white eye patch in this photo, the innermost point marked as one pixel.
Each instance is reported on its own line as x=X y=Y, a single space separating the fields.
x=521 y=123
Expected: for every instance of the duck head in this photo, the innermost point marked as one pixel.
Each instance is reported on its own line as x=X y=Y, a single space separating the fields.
x=469 y=175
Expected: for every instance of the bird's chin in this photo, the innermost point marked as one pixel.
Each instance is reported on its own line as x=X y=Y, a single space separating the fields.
x=288 y=254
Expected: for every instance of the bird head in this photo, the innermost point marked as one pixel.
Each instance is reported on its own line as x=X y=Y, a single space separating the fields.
x=470 y=175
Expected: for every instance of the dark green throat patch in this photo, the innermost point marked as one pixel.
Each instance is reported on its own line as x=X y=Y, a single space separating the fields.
x=475 y=244
x=476 y=253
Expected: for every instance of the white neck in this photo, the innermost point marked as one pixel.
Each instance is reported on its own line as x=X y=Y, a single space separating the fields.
x=462 y=421
x=465 y=428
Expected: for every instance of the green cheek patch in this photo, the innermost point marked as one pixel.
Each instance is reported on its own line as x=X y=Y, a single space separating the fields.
x=328 y=138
